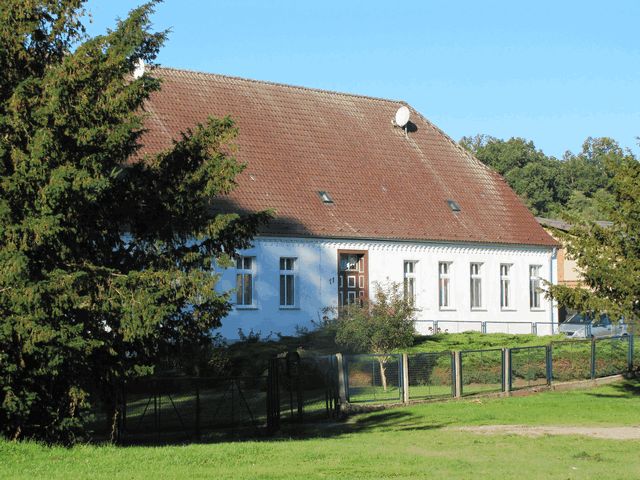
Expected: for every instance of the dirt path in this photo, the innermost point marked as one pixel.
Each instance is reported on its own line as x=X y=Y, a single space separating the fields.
x=611 y=433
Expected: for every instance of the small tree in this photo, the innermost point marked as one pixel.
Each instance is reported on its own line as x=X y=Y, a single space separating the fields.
x=379 y=326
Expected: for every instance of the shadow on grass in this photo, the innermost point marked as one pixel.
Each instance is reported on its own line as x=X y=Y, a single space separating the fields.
x=628 y=389
x=391 y=420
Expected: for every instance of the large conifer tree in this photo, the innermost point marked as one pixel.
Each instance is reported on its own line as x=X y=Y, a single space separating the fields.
x=105 y=256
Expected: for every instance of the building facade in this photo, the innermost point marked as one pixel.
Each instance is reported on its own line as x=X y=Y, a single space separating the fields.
x=361 y=195
x=285 y=283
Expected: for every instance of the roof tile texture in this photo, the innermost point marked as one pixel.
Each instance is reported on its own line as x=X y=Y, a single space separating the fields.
x=384 y=184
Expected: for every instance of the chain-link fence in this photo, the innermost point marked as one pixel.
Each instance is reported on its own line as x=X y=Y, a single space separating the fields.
x=571 y=360
x=312 y=388
x=179 y=409
x=176 y=409
x=318 y=384
x=430 y=375
x=481 y=371
x=528 y=367
x=610 y=356
x=373 y=378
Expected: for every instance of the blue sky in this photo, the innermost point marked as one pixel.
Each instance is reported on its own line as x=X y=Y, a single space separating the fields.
x=554 y=72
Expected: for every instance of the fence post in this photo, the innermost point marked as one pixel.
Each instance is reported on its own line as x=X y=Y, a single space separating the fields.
x=457 y=364
x=593 y=358
x=405 y=378
x=506 y=370
x=197 y=409
x=630 y=353
x=342 y=383
x=549 y=363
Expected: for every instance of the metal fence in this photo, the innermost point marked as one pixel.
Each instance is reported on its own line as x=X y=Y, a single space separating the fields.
x=571 y=360
x=373 y=378
x=298 y=389
x=481 y=371
x=432 y=327
x=179 y=409
x=528 y=367
x=430 y=375
x=424 y=376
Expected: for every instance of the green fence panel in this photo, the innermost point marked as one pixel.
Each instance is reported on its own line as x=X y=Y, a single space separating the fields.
x=430 y=375
x=571 y=360
x=611 y=356
x=374 y=378
x=528 y=367
x=482 y=371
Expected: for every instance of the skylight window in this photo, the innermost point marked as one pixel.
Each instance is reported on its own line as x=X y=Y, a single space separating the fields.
x=324 y=196
x=453 y=206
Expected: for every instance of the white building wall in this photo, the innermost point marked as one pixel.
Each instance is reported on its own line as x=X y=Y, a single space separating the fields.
x=316 y=283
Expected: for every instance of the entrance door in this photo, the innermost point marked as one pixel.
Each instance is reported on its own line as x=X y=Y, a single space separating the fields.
x=353 y=277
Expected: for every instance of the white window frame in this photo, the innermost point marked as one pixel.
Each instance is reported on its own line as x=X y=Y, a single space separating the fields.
x=410 y=278
x=444 y=285
x=535 y=287
x=242 y=271
x=476 y=279
x=290 y=270
x=506 y=292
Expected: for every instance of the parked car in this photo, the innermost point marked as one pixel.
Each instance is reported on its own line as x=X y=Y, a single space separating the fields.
x=577 y=321
x=584 y=325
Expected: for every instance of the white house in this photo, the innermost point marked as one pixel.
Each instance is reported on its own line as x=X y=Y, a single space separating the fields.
x=360 y=199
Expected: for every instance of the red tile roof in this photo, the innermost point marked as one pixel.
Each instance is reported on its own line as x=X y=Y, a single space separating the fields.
x=384 y=185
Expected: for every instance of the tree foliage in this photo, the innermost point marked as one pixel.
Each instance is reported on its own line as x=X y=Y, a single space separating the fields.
x=577 y=184
x=608 y=256
x=379 y=326
x=106 y=256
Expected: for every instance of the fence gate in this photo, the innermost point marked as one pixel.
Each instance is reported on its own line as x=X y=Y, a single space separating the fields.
x=300 y=389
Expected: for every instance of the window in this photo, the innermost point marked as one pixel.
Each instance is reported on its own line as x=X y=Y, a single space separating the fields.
x=244 y=280
x=325 y=197
x=410 y=280
x=476 y=285
x=505 y=285
x=453 y=206
x=535 y=288
x=287 y=282
x=444 y=269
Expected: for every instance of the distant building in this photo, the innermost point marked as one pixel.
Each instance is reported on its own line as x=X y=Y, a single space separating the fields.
x=360 y=200
x=568 y=271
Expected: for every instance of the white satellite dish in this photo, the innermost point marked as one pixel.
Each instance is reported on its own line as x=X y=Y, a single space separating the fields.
x=402 y=116
x=138 y=71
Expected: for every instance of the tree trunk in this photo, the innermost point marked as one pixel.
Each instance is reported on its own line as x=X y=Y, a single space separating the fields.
x=383 y=372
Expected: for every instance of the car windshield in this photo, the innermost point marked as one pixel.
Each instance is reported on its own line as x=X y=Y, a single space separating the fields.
x=603 y=321
x=579 y=319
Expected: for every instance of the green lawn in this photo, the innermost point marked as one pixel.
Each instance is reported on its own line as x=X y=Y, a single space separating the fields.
x=419 y=441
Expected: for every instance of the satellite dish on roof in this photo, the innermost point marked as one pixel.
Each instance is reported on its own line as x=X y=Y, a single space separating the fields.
x=138 y=71
x=402 y=116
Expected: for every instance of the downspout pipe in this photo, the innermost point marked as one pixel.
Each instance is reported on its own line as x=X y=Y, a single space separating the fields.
x=553 y=259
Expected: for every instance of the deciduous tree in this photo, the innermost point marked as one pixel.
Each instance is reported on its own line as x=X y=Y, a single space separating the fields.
x=608 y=256
x=379 y=326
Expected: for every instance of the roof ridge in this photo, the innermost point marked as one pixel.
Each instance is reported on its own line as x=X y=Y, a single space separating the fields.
x=278 y=84
x=463 y=150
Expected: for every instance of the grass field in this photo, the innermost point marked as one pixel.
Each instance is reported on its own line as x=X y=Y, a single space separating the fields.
x=421 y=441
